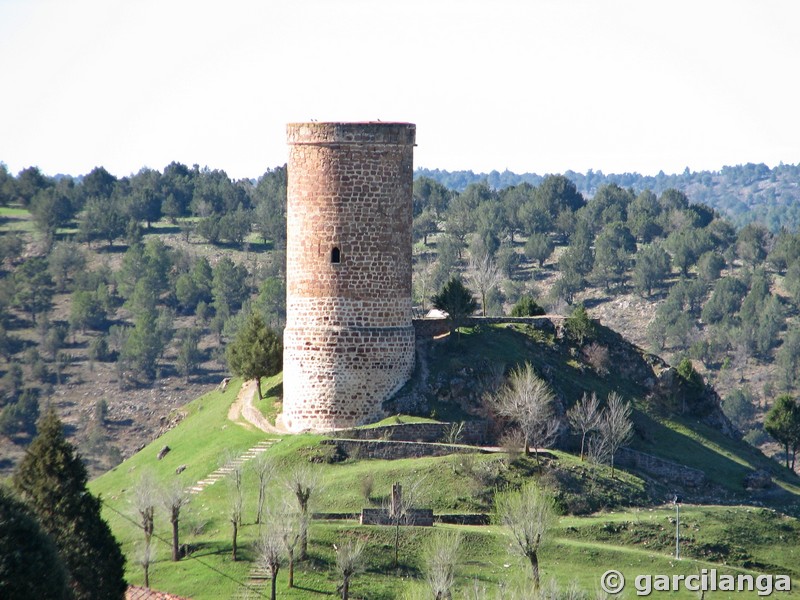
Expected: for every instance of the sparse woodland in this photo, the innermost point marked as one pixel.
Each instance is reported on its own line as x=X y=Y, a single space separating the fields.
x=137 y=283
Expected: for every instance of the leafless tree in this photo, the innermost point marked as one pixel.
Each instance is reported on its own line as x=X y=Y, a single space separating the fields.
x=527 y=399
x=584 y=417
x=264 y=467
x=174 y=499
x=269 y=549
x=349 y=561
x=485 y=275
x=399 y=509
x=235 y=503
x=145 y=497
x=616 y=427
x=301 y=482
x=145 y=556
x=529 y=514
x=423 y=280
x=598 y=358
x=440 y=557
x=290 y=528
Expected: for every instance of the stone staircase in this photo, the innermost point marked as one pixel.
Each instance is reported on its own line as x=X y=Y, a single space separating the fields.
x=224 y=470
x=258 y=582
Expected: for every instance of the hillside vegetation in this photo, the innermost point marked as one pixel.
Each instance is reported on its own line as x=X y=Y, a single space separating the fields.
x=633 y=530
x=118 y=295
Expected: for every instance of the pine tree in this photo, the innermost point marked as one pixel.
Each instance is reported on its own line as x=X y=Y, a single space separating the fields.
x=256 y=352
x=51 y=480
x=456 y=300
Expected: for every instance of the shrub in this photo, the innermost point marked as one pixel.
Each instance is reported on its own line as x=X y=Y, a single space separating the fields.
x=527 y=307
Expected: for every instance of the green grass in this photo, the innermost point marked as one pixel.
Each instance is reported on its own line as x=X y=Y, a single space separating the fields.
x=14 y=218
x=200 y=442
x=630 y=534
x=399 y=420
x=635 y=541
x=726 y=462
x=270 y=404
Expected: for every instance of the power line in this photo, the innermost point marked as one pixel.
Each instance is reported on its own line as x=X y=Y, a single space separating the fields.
x=249 y=587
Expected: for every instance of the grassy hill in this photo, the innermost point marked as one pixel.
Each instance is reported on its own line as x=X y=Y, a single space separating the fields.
x=632 y=530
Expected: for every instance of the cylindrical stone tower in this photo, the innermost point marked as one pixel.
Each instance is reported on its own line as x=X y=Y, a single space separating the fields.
x=349 y=339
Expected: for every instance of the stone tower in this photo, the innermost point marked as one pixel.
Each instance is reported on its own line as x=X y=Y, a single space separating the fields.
x=349 y=339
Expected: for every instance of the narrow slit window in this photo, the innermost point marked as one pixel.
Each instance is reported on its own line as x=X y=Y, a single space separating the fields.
x=336 y=256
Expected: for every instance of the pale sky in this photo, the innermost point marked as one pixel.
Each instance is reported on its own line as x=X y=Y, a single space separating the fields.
x=531 y=85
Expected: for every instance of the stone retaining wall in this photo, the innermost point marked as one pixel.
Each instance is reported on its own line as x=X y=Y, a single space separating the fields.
x=663 y=469
x=420 y=517
x=474 y=432
x=393 y=450
x=429 y=328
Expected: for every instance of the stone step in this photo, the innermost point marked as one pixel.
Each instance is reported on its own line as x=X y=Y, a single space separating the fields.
x=227 y=468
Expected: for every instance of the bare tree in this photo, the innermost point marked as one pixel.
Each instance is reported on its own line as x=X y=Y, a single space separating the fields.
x=145 y=556
x=302 y=481
x=264 y=467
x=145 y=496
x=485 y=275
x=616 y=427
x=440 y=557
x=269 y=549
x=529 y=514
x=423 y=275
x=349 y=561
x=584 y=417
x=235 y=502
x=527 y=399
x=290 y=529
x=174 y=499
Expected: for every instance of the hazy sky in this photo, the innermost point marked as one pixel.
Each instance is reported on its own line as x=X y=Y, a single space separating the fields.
x=536 y=85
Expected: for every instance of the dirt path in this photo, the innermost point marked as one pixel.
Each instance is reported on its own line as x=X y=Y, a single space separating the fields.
x=243 y=408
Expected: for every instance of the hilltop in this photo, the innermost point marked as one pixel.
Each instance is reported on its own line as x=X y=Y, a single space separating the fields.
x=631 y=531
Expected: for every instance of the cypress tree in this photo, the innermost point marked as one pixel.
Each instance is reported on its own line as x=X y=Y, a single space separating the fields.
x=30 y=566
x=51 y=480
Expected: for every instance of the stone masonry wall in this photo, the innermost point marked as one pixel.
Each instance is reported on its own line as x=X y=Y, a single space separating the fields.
x=349 y=340
x=473 y=432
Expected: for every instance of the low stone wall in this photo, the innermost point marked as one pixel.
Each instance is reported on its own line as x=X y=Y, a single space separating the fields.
x=449 y=519
x=664 y=469
x=428 y=328
x=474 y=432
x=464 y=519
x=326 y=516
x=420 y=517
x=393 y=450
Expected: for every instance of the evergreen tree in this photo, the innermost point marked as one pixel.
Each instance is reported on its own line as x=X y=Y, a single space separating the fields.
x=456 y=300
x=51 y=480
x=26 y=554
x=229 y=286
x=34 y=287
x=579 y=325
x=256 y=352
x=782 y=422
x=651 y=270
x=527 y=307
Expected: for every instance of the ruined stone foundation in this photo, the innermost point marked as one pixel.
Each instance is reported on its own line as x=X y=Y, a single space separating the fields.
x=349 y=339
